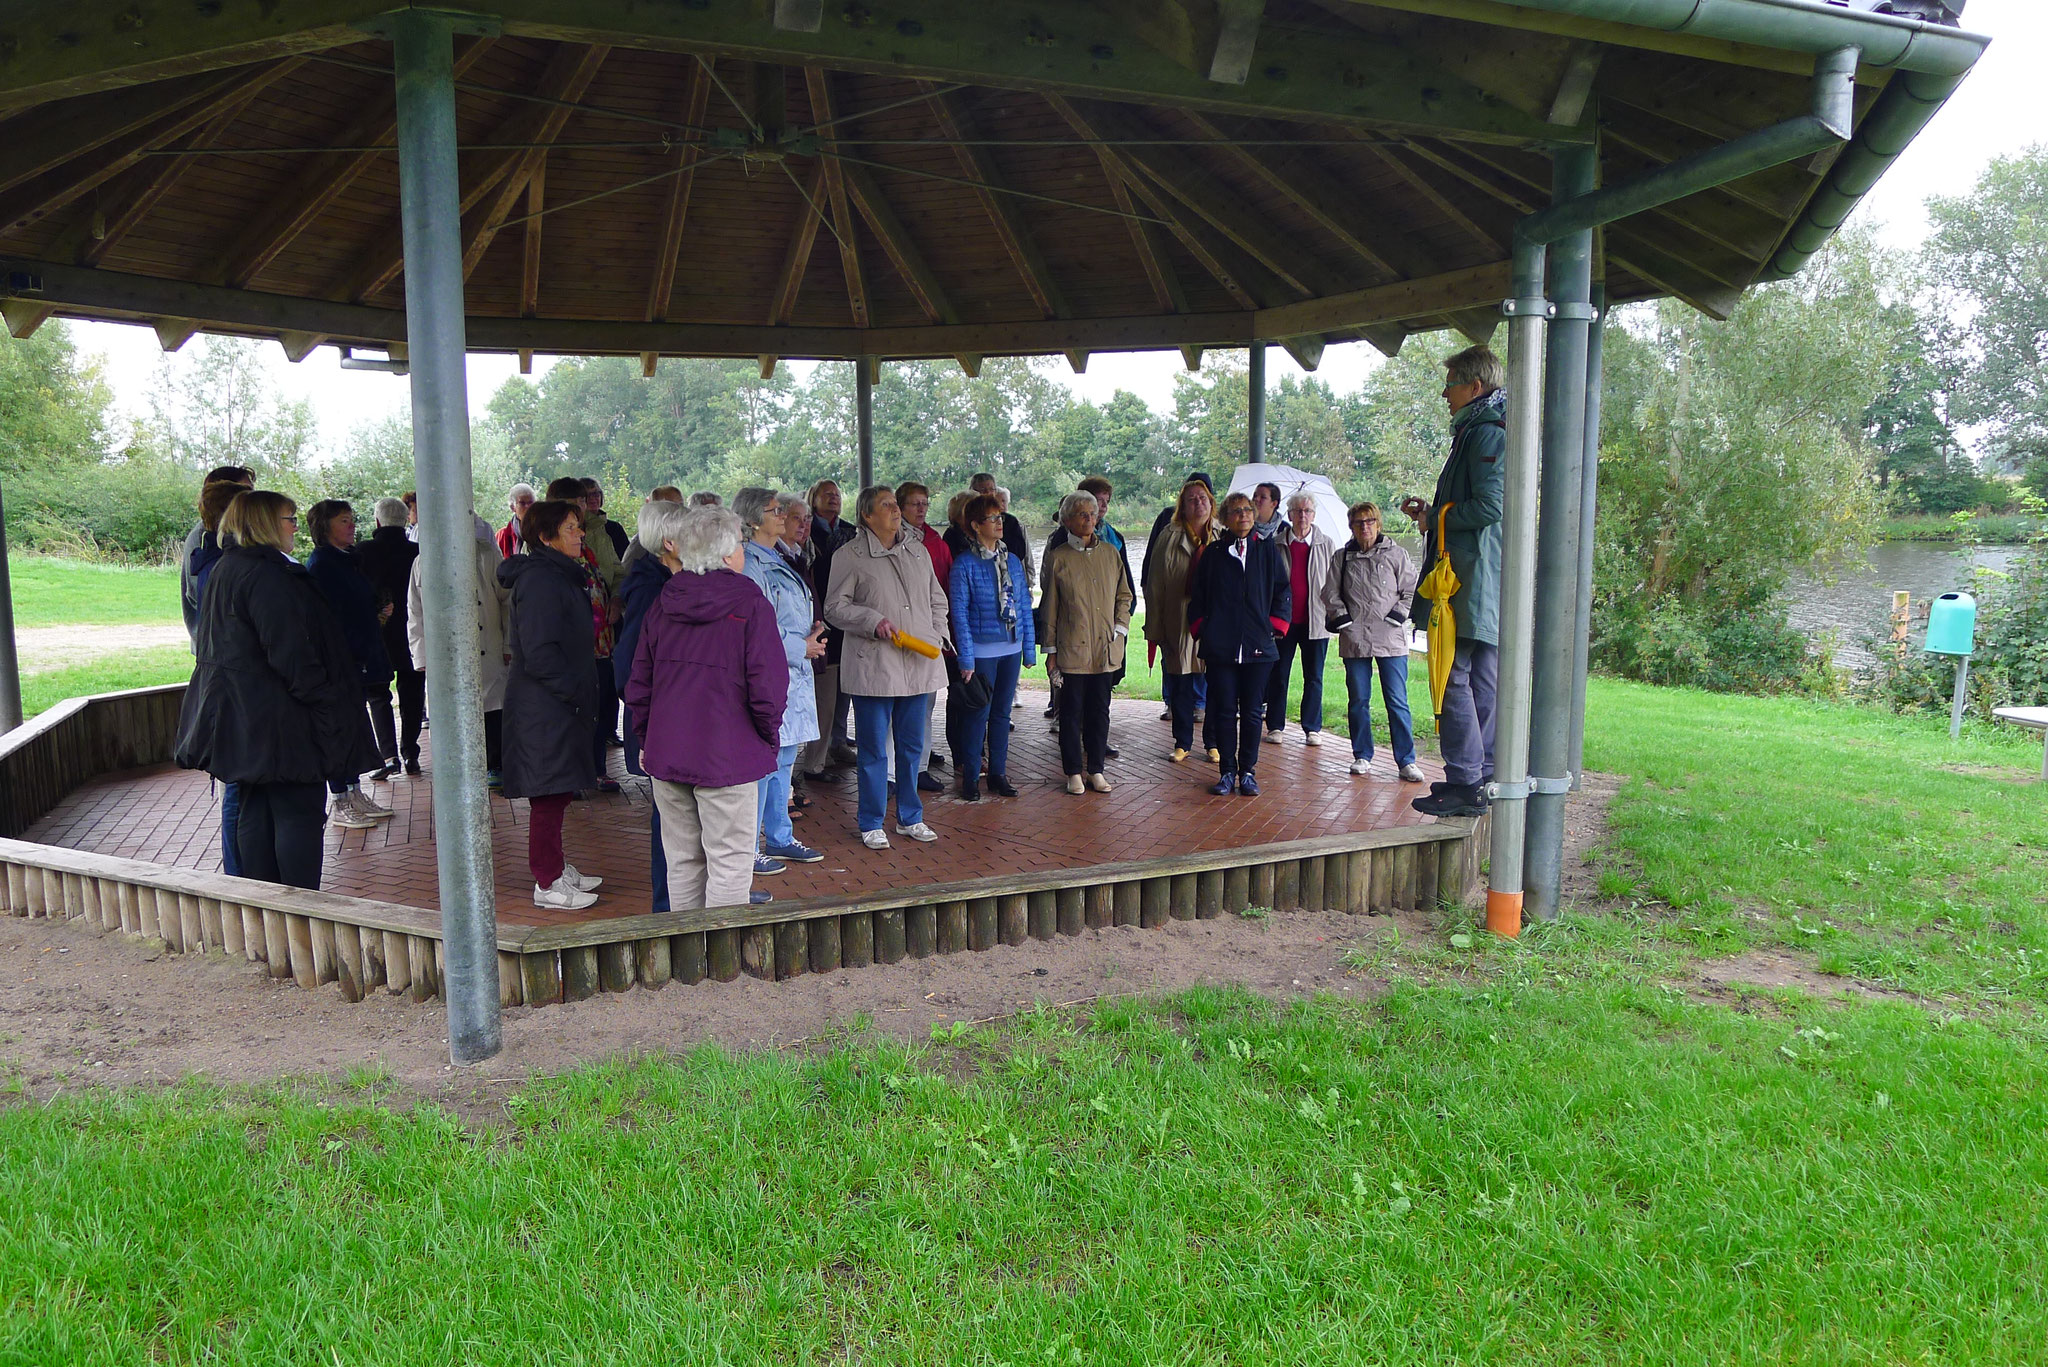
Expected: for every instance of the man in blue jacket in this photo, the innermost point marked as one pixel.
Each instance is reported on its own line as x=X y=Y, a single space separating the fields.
x=1468 y=497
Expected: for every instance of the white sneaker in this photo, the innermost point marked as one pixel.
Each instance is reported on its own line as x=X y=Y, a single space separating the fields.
x=1361 y=766
x=875 y=839
x=1098 y=782
x=917 y=830
x=360 y=800
x=1412 y=773
x=1312 y=738
x=580 y=880
x=562 y=895
x=1275 y=737
x=1076 y=784
x=342 y=813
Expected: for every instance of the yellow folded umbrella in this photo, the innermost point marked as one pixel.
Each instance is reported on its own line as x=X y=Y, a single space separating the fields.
x=1438 y=586
x=916 y=645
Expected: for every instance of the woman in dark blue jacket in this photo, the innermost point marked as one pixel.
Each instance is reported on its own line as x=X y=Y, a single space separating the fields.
x=1239 y=604
x=991 y=607
x=350 y=595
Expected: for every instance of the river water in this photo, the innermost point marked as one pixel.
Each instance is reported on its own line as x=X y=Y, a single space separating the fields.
x=1859 y=602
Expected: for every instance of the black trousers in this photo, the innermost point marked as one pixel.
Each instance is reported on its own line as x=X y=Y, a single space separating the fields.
x=1237 y=711
x=494 y=739
x=403 y=741
x=606 y=725
x=1084 y=722
x=279 y=833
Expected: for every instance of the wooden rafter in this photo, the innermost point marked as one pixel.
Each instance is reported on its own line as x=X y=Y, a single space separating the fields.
x=529 y=266
x=379 y=264
x=797 y=259
x=321 y=180
x=819 y=85
x=897 y=244
x=43 y=139
x=1397 y=158
x=675 y=210
x=1149 y=240
x=1004 y=212
x=570 y=73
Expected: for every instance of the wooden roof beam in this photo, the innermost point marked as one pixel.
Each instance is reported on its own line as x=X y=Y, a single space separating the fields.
x=24 y=316
x=1213 y=38
x=797 y=259
x=675 y=212
x=819 y=86
x=321 y=180
x=896 y=242
x=529 y=262
x=569 y=72
x=977 y=165
x=1147 y=239
x=41 y=140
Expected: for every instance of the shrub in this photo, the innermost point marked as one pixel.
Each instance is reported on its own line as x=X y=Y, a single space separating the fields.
x=2010 y=665
x=1748 y=648
x=137 y=508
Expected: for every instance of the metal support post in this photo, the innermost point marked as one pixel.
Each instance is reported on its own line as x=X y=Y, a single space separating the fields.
x=1255 y=395
x=1589 y=490
x=864 y=419
x=431 y=213
x=1528 y=314
x=10 y=664
x=1557 y=540
x=1955 y=710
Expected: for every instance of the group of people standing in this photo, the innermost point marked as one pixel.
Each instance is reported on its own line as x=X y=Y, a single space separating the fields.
x=743 y=641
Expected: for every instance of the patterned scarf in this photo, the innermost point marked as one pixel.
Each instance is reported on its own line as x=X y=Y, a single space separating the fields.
x=1489 y=407
x=1006 y=595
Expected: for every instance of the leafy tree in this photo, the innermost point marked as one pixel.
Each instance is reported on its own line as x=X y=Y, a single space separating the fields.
x=213 y=404
x=53 y=407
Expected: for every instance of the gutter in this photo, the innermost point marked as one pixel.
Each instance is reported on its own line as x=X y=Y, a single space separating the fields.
x=1886 y=40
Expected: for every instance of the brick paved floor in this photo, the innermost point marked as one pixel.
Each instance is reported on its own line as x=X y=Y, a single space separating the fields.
x=171 y=816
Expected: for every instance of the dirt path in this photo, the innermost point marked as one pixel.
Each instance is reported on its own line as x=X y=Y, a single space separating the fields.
x=47 y=648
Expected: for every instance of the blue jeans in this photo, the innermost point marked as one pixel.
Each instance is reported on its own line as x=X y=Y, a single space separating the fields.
x=1393 y=672
x=875 y=720
x=230 y=817
x=992 y=723
x=774 y=823
x=1312 y=655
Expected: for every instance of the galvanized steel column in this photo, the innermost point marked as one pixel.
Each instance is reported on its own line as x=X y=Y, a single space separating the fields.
x=431 y=212
x=1528 y=313
x=1589 y=489
x=1557 y=538
x=1255 y=395
x=864 y=419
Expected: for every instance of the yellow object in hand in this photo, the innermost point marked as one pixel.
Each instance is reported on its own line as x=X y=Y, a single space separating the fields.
x=916 y=645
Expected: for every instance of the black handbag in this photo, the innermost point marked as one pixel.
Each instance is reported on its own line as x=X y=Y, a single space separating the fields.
x=973 y=692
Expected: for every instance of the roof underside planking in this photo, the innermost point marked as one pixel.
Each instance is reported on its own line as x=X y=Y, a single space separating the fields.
x=953 y=178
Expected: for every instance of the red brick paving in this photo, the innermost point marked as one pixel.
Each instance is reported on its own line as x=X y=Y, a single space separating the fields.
x=171 y=816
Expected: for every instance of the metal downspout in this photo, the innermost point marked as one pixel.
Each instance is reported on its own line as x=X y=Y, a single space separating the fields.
x=1589 y=490
x=431 y=211
x=1255 y=397
x=864 y=420
x=1528 y=313
x=1575 y=172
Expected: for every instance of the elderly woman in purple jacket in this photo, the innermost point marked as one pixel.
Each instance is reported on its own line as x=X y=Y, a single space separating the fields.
x=710 y=731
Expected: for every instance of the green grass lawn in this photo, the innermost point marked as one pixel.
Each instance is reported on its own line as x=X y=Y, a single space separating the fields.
x=107 y=674
x=50 y=592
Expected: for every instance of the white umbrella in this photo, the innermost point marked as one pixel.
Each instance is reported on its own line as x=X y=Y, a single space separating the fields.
x=1331 y=518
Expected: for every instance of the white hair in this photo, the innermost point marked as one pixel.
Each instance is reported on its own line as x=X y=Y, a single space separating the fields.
x=750 y=505
x=1302 y=499
x=794 y=505
x=390 y=512
x=512 y=499
x=659 y=522
x=1076 y=501
x=704 y=537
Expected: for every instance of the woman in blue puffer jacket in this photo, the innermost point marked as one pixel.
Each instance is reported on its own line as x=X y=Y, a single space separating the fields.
x=991 y=607
x=803 y=640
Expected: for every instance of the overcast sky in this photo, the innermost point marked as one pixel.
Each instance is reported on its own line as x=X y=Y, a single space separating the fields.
x=1992 y=115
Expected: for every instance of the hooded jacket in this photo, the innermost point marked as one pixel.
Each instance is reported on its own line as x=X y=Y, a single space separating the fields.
x=870 y=583
x=551 y=687
x=1366 y=586
x=1472 y=484
x=790 y=597
x=274 y=697
x=387 y=558
x=709 y=682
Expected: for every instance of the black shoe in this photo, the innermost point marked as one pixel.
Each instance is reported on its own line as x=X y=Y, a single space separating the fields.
x=1440 y=786
x=827 y=776
x=1000 y=786
x=1109 y=752
x=1053 y=710
x=937 y=761
x=927 y=784
x=1247 y=786
x=970 y=792
x=1225 y=786
x=1455 y=800
x=412 y=766
x=389 y=768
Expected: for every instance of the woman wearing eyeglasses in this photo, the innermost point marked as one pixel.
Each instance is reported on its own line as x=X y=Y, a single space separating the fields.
x=1367 y=597
x=1238 y=610
x=991 y=610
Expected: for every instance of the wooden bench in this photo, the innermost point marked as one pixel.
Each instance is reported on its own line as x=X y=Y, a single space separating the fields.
x=2036 y=717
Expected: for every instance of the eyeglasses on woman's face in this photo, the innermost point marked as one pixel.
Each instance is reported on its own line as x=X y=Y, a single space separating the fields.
x=1365 y=522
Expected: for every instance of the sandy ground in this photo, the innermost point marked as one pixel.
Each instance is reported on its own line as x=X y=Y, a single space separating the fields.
x=46 y=648
x=80 y=1008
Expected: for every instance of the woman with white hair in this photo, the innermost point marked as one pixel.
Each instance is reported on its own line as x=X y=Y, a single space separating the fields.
x=803 y=640
x=707 y=691
x=882 y=590
x=387 y=558
x=510 y=536
x=647 y=576
x=1309 y=552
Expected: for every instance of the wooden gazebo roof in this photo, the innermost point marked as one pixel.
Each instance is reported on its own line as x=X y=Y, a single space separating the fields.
x=957 y=178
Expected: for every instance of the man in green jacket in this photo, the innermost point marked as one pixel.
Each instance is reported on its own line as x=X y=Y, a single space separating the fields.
x=1475 y=387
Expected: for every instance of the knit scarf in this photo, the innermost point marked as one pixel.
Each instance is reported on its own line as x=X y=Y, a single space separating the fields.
x=1489 y=407
x=1270 y=528
x=999 y=556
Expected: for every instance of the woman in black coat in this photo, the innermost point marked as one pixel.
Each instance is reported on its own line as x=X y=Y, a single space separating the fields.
x=339 y=576
x=1239 y=603
x=273 y=706
x=551 y=698
x=387 y=559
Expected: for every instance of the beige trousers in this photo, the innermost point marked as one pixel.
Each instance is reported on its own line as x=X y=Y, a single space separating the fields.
x=811 y=757
x=707 y=835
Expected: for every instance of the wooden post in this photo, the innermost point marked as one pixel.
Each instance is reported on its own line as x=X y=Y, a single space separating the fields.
x=1287 y=885
x=1208 y=894
x=131 y=911
x=426 y=971
x=1070 y=910
x=70 y=897
x=686 y=956
x=89 y=902
x=652 y=966
x=1259 y=892
x=722 y=955
x=1180 y=896
x=615 y=966
x=921 y=931
x=397 y=962
x=509 y=984
x=252 y=931
x=792 y=949
x=1155 y=900
x=579 y=973
x=1380 y=875
x=952 y=927
x=156 y=902
x=1130 y=903
x=322 y=935
x=348 y=961
x=233 y=938
x=1426 y=857
x=1237 y=889
x=1450 y=873
x=1404 y=877
x=1902 y=615
x=857 y=939
x=1013 y=918
x=757 y=952
x=299 y=949
x=981 y=923
x=16 y=890
x=825 y=949
x=891 y=936
x=540 y=978
x=1043 y=915
x=1357 y=881
x=1312 y=884
x=1101 y=906
x=1336 y=882
x=211 y=931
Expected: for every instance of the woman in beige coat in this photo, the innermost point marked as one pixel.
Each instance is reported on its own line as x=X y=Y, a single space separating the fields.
x=493 y=623
x=1086 y=608
x=1369 y=593
x=1170 y=569
x=882 y=587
